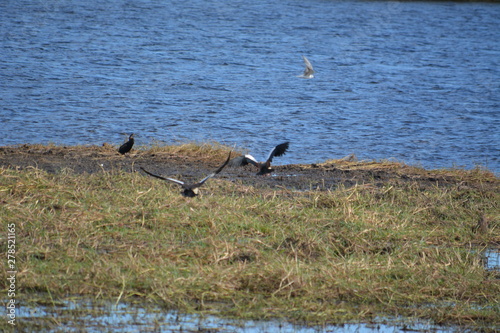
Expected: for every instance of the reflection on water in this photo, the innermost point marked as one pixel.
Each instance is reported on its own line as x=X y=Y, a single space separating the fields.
x=491 y=258
x=97 y=317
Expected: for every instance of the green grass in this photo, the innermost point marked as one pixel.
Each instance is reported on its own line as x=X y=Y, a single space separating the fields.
x=349 y=254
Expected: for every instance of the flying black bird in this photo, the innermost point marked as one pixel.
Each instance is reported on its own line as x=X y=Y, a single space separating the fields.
x=125 y=148
x=265 y=167
x=308 y=71
x=191 y=190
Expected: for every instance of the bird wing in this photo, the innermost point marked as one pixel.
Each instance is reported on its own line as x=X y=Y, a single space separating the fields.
x=238 y=161
x=243 y=160
x=224 y=164
x=201 y=182
x=278 y=151
x=309 y=68
x=123 y=148
x=164 y=178
x=212 y=174
x=175 y=181
x=250 y=159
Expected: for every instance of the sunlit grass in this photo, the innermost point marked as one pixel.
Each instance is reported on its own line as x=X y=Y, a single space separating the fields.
x=478 y=174
x=322 y=256
x=204 y=151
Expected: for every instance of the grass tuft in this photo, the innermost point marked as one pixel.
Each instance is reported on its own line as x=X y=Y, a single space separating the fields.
x=346 y=254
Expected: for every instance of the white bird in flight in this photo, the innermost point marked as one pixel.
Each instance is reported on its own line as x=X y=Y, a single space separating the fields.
x=308 y=71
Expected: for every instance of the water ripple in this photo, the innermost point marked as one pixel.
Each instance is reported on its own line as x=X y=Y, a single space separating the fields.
x=393 y=79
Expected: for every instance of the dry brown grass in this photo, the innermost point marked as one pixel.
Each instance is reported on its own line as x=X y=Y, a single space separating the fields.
x=321 y=256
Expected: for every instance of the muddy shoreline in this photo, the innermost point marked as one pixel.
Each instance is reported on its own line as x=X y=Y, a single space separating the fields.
x=190 y=167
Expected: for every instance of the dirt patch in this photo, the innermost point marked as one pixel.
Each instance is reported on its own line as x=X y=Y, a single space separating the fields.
x=190 y=167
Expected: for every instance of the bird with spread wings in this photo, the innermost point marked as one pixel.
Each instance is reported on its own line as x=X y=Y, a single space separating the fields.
x=191 y=190
x=264 y=167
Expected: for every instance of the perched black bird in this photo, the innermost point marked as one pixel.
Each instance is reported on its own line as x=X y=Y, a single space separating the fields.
x=125 y=148
x=191 y=190
x=265 y=167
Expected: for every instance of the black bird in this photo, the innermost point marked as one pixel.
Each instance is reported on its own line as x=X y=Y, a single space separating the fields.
x=191 y=190
x=265 y=167
x=125 y=148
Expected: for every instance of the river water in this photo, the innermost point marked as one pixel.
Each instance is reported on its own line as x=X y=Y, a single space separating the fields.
x=418 y=82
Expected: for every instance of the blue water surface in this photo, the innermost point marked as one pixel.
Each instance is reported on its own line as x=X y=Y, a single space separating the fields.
x=418 y=82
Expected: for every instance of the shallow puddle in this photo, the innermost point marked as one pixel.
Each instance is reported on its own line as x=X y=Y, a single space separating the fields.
x=491 y=259
x=97 y=316
x=94 y=316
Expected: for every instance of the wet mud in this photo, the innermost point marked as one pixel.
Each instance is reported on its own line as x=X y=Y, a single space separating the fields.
x=302 y=177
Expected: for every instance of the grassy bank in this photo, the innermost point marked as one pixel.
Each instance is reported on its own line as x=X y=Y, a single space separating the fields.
x=349 y=253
